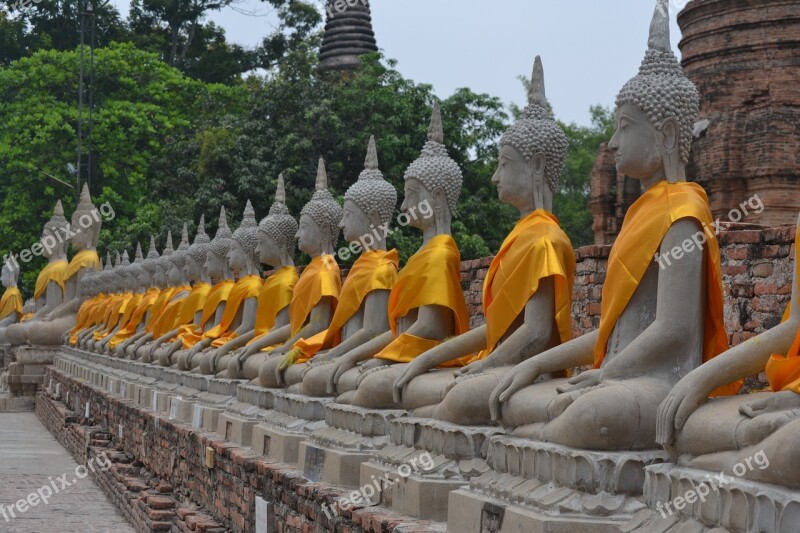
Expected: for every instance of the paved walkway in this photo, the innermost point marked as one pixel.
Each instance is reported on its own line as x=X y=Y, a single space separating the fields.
x=31 y=459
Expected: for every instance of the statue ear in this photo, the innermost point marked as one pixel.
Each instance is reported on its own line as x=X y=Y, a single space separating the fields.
x=439 y=199
x=538 y=165
x=374 y=217
x=670 y=129
x=670 y=132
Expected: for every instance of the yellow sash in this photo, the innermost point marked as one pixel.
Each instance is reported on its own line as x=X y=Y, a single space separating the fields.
x=246 y=287
x=275 y=295
x=165 y=321
x=783 y=373
x=158 y=307
x=83 y=259
x=320 y=279
x=192 y=304
x=643 y=229
x=25 y=317
x=11 y=302
x=191 y=334
x=432 y=276
x=138 y=314
x=535 y=249
x=55 y=271
x=83 y=317
x=374 y=270
x=114 y=312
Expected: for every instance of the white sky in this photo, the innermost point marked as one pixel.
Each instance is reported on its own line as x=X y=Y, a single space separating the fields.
x=589 y=47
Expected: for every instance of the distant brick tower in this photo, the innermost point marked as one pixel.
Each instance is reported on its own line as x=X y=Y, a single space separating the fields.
x=611 y=195
x=744 y=57
x=348 y=35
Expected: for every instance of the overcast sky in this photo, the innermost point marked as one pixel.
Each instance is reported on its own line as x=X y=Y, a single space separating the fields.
x=589 y=47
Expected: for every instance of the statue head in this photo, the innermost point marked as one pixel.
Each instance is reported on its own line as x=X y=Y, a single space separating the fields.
x=9 y=274
x=277 y=231
x=86 y=222
x=195 y=260
x=121 y=271
x=106 y=276
x=135 y=272
x=369 y=203
x=54 y=233
x=163 y=265
x=243 y=255
x=175 y=261
x=532 y=153
x=217 y=257
x=319 y=218
x=149 y=266
x=432 y=182
x=656 y=112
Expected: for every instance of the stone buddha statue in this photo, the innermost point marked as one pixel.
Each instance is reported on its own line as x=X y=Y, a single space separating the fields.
x=172 y=265
x=426 y=304
x=659 y=320
x=134 y=328
x=190 y=315
x=49 y=291
x=527 y=293
x=51 y=327
x=218 y=270
x=277 y=234
x=316 y=293
x=361 y=313
x=108 y=286
x=92 y=300
x=240 y=312
x=719 y=433
x=11 y=301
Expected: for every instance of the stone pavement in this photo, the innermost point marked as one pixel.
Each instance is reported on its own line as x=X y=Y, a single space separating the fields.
x=30 y=459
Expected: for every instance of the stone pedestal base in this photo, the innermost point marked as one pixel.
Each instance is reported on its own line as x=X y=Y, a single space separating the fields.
x=564 y=485
x=717 y=504
x=26 y=372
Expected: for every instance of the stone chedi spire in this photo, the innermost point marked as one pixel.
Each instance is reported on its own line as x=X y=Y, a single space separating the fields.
x=348 y=35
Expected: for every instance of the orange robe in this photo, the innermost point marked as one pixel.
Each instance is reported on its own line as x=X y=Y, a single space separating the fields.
x=132 y=326
x=432 y=276
x=246 y=287
x=55 y=271
x=645 y=225
x=275 y=296
x=374 y=270
x=192 y=334
x=11 y=302
x=783 y=373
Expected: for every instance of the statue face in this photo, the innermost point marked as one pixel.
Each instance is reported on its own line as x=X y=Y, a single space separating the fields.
x=215 y=265
x=636 y=144
x=192 y=269
x=309 y=236
x=5 y=278
x=417 y=195
x=355 y=222
x=514 y=178
x=237 y=258
x=174 y=275
x=144 y=278
x=268 y=249
x=47 y=240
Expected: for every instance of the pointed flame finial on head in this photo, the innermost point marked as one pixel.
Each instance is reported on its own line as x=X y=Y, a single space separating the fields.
x=117 y=258
x=280 y=192
x=201 y=227
x=436 y=130
x=249 y=219
x=59 y=210
x=138 y=256
x=126 y=259
x=659 y=28
x=86 y=198
x=371 y=162
x=322 y=176
x=536 y=92
x=152 y=253
x=108 y=261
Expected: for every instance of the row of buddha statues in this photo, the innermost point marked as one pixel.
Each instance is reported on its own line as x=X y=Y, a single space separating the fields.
x=661 y=374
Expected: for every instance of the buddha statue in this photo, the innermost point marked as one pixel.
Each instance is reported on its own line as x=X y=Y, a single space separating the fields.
x=49 y=330
x=277 y=233
x=28 y=309
x=49 y=291
x=134 y=327
x=11 y=301
x=426 y=304
x=217 y=268
x=190 y=315
x=361 y=314
x=316 y=293
x=240 y=311
x=85 y=317
x=719 y=433
x=658 y=321
x=527 y=293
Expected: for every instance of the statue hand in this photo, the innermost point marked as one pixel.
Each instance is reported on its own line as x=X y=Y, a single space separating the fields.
x=288 y=360
x=476 y=367
x=590 y=378
x=777 y=401
x=680 y=403
x=343 y=366
x=520 y=377
x=400 y=383
x=460 y=379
